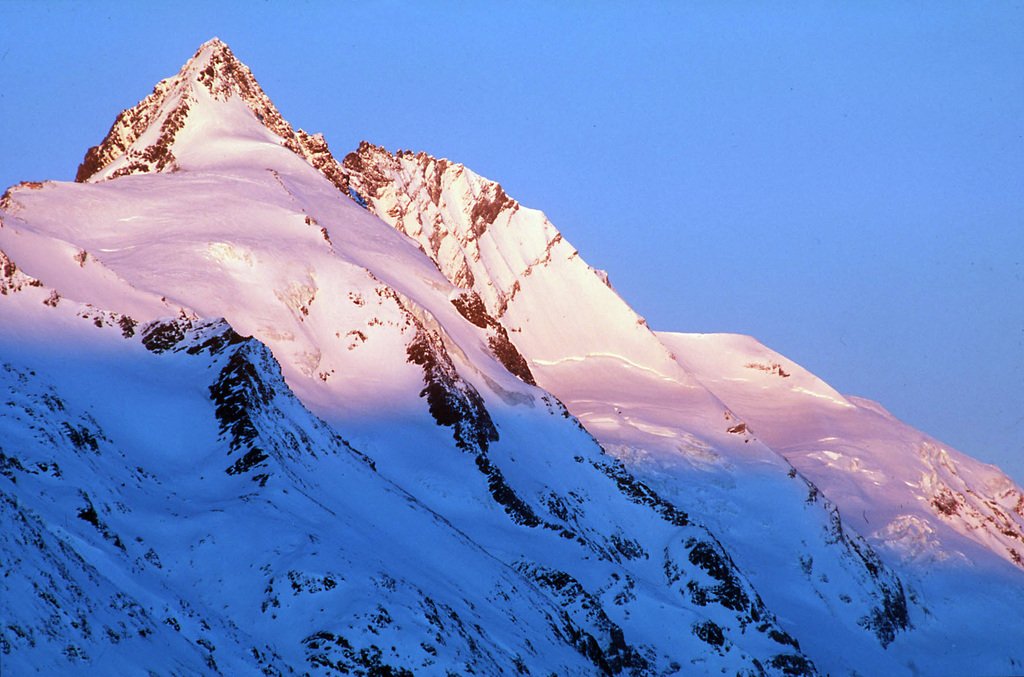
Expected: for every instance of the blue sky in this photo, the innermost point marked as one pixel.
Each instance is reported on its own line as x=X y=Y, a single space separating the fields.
x=844 y=181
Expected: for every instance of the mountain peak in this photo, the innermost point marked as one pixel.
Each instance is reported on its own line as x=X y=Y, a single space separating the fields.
x=212 y=43
x=218 y=92
x=217 y=52
x=217 y=68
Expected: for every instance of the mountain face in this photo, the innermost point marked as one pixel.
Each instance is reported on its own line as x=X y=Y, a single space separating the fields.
x=726 y=419
x=269 y=411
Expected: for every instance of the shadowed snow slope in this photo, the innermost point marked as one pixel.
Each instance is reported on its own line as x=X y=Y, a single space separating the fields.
x=268 y=411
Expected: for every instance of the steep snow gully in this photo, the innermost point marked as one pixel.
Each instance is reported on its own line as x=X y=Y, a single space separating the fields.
x=268 y=412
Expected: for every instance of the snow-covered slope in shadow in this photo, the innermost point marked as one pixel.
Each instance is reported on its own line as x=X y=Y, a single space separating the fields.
x=171 y=506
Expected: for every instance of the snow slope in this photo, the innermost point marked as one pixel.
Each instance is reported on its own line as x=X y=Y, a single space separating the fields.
x=466 y=522
x=169 y=505
x=697 y=420
x=954 y=525
x=900 y=481
x=309 y=415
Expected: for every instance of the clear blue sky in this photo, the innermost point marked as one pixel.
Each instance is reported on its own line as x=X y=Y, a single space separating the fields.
x=844 y=181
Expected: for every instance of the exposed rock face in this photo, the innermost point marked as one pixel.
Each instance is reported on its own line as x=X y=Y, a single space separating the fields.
x=999 y=512
x=472 y=308
x=453 y=402
x=13 y=280
x=443 y=206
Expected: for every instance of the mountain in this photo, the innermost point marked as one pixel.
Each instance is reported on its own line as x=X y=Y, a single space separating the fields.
x=269 y=411
x=731 y=421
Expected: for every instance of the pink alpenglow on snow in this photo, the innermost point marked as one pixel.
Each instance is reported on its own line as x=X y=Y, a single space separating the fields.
x=271 y=411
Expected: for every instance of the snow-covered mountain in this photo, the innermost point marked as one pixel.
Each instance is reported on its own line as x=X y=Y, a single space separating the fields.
x=268 y=411
x=726 y=419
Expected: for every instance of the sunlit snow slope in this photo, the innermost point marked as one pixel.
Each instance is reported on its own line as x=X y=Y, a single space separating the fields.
x=269 y=411
x=723 y=423
x=370 y=483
